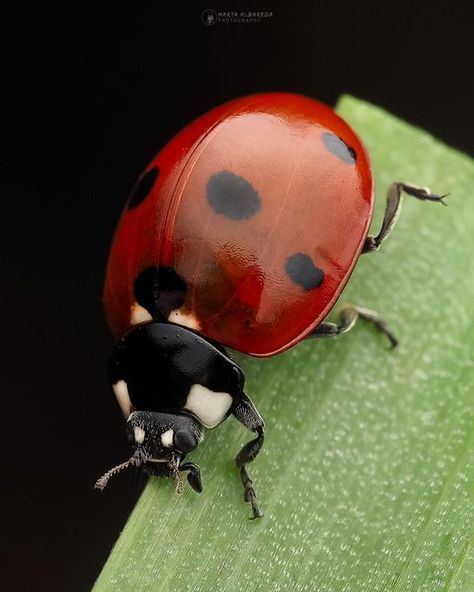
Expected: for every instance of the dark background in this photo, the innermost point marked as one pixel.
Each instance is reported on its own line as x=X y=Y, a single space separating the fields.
x=88 y=97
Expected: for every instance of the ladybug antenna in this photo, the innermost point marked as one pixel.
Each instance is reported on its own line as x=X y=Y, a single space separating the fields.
x=134 y=461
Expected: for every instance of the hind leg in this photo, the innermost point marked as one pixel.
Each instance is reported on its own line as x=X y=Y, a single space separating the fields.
x=392 y=210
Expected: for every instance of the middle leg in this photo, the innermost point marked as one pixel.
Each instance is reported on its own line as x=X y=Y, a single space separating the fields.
x=348 y=318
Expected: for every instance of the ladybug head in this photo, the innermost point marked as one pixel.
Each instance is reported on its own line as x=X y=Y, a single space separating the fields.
x=170 y=384
x=160 y=442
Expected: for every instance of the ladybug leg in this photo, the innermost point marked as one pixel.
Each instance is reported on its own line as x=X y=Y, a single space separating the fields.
x=248 y=415
x=392 y=210
x=194 y=475
x=348 y=318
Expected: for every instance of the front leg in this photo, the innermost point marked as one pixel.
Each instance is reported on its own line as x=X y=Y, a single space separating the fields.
x=194 y=475
x=248 y=415
x=392 y=210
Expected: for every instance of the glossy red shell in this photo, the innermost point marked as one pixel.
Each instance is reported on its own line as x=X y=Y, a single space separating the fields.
x=312 y=202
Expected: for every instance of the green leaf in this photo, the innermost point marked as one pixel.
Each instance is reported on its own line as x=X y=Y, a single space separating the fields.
x=366 y=477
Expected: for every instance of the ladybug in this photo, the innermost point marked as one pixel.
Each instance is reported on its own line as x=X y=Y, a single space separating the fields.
x=241 y=233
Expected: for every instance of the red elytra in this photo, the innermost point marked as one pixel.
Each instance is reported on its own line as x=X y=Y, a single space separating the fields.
x=261 y=207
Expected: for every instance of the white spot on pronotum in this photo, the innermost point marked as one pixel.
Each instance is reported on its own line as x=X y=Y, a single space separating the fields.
x=184 y=319
x=121 y=393
x=210 y=407
x=139 y=314
x=167 y=438
x=139 y=434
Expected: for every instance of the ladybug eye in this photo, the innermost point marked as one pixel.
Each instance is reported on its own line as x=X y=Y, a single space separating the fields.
x=185 y=441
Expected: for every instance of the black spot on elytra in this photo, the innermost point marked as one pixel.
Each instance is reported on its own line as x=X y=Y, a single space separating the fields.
x=232 y=196
x=304 y=272
x=142 y=188
x=339 y=148
x=160 y=290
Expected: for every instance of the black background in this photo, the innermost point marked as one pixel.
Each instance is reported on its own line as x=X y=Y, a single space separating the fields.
x=88 y=98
